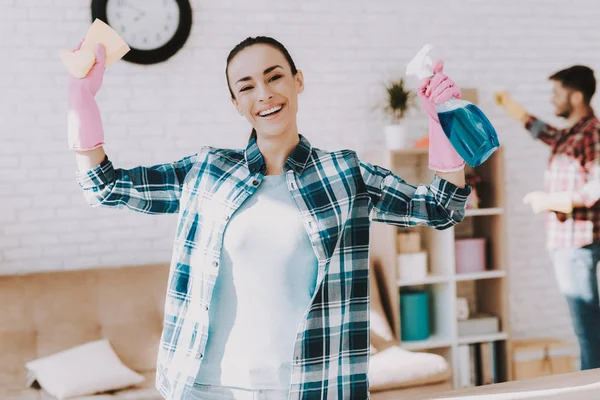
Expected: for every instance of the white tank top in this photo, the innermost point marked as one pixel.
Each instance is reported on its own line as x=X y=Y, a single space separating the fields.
x=266 y=280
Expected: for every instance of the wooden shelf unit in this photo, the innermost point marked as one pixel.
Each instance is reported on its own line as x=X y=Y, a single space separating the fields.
x=488 y=290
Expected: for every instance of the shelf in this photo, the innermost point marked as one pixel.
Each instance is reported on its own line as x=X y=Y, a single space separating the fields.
x=491 y=337
x=410 y=152
x=486 y=291
x=433 y=279
x=425 y=281
x=434 y=342
x=480 y=275
x=475 y=212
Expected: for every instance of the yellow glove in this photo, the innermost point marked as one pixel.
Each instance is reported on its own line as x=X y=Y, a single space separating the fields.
x=542 y=201
x=514 y=109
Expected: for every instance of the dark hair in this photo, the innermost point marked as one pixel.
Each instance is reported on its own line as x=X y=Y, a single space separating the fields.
x=251 y=41
x=579 y=78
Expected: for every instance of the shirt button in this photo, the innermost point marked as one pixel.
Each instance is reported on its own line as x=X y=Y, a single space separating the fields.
x=255 y=182
x=226 y=218
x=199 y=355
x=293 y=186
x=215 y=264
x=206 y=308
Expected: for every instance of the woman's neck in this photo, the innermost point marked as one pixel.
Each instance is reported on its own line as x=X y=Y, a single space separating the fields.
x=276 y=150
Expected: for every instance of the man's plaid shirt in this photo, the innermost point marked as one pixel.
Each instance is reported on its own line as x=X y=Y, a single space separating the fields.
x=337 y=195
x=574 y=166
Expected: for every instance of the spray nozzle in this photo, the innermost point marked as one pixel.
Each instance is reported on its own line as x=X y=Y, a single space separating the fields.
x=421 y=65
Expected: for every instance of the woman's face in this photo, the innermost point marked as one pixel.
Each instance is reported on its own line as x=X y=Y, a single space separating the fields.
x=265 y=91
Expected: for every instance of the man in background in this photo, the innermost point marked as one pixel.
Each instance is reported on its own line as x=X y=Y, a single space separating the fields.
x=570 y=198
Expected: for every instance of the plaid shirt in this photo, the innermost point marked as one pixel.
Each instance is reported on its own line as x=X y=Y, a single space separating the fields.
x=574 y=166
x=337 y=197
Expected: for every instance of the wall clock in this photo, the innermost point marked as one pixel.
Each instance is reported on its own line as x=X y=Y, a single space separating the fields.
x=154 y=29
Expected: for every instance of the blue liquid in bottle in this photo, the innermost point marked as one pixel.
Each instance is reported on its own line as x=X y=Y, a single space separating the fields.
x=469 y=131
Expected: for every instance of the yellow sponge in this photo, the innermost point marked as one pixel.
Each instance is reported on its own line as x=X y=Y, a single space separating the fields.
x=80 y=62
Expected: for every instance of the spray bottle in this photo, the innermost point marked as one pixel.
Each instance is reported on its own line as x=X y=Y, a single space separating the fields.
x=465 y=125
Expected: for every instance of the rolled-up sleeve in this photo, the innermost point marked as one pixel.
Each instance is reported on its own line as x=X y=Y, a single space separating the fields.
x=150 y=190
x=440 y=205
x=542 y=131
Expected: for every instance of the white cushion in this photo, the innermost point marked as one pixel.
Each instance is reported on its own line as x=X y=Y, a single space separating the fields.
x=87 y=369
x=395 y=368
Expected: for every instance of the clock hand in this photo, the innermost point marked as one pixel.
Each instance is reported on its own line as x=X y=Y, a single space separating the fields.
x=140 y=12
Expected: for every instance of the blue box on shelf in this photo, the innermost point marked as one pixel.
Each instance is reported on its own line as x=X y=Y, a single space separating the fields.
x=414 y=315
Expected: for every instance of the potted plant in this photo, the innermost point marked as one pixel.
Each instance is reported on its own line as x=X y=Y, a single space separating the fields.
x=399 y=101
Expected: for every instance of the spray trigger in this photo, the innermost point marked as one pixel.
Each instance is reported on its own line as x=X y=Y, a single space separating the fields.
x=421 y=65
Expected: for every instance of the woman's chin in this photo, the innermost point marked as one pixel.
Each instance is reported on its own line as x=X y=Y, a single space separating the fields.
x=274 y=130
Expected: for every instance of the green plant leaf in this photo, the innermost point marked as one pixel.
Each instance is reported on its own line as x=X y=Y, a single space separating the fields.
x=399 y=99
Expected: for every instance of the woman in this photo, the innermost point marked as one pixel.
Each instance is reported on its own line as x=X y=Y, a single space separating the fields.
x=268 y=288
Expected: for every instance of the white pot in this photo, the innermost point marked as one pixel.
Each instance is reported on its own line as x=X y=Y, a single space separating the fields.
x=396 y=137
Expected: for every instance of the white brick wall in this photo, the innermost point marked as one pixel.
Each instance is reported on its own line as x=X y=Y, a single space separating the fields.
x=347 y=49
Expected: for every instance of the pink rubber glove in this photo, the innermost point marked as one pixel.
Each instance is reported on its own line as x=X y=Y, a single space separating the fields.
x=432 y=91
x=84 y=124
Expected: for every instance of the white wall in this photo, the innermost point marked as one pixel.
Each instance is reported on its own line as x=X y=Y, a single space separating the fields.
x=347 y=49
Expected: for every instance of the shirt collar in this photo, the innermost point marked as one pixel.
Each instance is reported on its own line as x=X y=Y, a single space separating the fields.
x=590 y=114
x=297 y=160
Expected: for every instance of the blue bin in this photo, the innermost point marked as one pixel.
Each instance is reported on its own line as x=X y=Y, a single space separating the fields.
x=414 y=315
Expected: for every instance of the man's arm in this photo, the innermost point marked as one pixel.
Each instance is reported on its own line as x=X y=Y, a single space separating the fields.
x=588 y=195
x=538 y=129
x=541 y=131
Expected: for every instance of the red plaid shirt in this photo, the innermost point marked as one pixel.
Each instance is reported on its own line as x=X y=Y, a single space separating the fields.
x=574 y=166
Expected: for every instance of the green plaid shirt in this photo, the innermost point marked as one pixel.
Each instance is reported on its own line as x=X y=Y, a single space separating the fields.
x=337 y=195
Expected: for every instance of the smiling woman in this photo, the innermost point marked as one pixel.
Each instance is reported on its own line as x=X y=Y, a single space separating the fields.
x=282 y=72
x=279 y=311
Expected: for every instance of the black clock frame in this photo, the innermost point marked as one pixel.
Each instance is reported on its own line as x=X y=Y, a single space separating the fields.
x=162 y=53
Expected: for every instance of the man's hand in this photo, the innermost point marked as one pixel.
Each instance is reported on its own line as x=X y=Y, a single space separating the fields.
x=514 y=109
x=537 y=201
x=542 y=201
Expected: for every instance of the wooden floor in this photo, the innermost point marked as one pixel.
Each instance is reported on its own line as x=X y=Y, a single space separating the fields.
x=414 y=393
x=581 y=385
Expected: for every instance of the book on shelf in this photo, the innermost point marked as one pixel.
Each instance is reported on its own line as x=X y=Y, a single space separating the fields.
x=487 y=363
x=477 y=364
